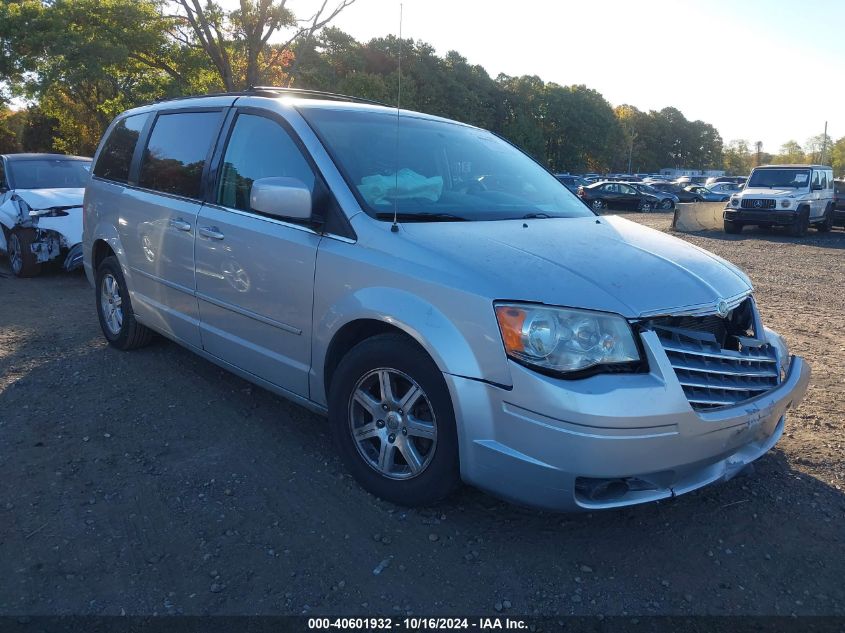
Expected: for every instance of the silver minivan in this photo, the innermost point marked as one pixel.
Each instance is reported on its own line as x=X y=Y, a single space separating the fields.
x=455 y=311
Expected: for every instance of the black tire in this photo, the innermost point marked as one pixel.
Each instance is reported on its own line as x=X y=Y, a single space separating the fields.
x=598 y=205
x=697 y=199
x=21 y=258
x=827 y=222
x=733 y=227
x=396 y=352
x=801 y=224
x=131 y=334
x=667 y=204
x=646 y=207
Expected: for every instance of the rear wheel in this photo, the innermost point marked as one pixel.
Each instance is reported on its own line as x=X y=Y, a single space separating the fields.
x=733 y=227
x=114 y=308
x=598 y=205
x=697 y=199
x=393 y=421
x=802 y=222
x=21 y=258
x=667 y=204
x=827 y=222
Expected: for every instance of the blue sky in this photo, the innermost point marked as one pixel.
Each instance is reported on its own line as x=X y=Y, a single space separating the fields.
x=763 y=70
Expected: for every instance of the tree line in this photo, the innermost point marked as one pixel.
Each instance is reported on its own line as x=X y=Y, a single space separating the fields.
x=79 y=63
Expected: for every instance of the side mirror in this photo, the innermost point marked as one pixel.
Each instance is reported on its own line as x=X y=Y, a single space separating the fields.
x=281 y=197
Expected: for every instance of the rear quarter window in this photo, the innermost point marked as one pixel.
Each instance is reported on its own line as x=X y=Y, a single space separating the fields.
x=177 y=151
x=116 y=156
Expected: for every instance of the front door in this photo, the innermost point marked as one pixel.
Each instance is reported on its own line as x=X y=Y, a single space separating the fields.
x=255 y=273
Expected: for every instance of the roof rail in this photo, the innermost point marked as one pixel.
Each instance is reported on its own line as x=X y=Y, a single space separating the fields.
x=276 y=91
x=316 y=94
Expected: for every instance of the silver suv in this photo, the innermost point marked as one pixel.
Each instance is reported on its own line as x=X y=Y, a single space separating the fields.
x=455 y=311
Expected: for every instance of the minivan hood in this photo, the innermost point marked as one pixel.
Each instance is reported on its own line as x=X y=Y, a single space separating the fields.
x=607 y=263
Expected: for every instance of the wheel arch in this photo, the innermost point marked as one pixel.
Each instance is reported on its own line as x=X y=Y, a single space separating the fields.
x=373 y=311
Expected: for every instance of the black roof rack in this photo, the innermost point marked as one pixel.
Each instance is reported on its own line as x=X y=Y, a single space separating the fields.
x=275 y=91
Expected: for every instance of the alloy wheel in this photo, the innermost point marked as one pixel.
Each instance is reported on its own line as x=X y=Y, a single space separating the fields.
x=15 y=254
x=110 y=303
x=392 y=423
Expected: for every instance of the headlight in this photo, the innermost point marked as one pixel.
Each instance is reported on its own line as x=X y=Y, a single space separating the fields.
x=785 y=203
x=734 y=202
x=563 y=339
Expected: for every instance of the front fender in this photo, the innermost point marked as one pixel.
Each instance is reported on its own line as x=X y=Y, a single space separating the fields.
x=473 y=352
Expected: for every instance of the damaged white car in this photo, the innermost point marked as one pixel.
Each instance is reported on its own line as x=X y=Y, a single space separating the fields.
x=41 y=210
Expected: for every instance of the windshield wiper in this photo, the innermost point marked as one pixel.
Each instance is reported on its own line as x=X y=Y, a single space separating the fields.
x=534 y=216
x=422 y=217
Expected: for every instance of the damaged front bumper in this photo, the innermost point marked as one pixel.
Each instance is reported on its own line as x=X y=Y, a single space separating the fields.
x=57 y=231
x=610 y=440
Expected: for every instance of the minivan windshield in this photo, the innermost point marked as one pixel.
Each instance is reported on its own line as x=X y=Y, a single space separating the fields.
x=772 y=178
x=437 y=170
x=49 y=173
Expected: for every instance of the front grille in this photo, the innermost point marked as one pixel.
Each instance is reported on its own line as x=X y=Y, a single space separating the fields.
x=758 y=203
x=713 y=377
x=718 y=362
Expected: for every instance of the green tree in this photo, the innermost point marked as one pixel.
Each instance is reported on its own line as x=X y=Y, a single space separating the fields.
x=837 y=158
x=790 y=152
x=237 y=41
x=737 y=158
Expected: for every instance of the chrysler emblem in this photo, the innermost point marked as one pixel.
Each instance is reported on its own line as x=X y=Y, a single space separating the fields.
x=722 y=308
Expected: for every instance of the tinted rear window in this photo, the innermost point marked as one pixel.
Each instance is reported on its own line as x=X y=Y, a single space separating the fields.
x=116 y=155
x=177 y=150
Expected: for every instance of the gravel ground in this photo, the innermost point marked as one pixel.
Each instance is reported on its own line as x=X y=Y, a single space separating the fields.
x=155 y=483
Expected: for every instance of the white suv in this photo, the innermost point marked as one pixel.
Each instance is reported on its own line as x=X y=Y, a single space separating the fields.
x=795 y=196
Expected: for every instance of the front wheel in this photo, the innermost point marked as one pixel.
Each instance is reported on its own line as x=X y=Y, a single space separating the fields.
x=21 y=258
x=697 y=199
x=393 y=422
x=733 y=227
x=645 y=206
x=667 y=204
x=114 y=308
x=799 y=227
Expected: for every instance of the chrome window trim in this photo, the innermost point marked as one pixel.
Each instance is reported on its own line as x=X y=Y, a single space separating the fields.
x=278 y=221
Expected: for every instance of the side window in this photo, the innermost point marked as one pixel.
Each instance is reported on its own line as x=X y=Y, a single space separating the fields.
x=817 y=178
x=610 y=188
x=176 y=152
x=258 y=148
x=3 y=184
x=116 y=155
x=829 y=174
x=628 y=191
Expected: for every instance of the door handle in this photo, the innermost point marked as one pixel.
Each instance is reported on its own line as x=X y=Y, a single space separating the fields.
x=211 y=232
x=180 y=224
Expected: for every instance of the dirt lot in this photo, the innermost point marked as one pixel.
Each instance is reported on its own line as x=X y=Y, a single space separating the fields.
x=154 y=482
